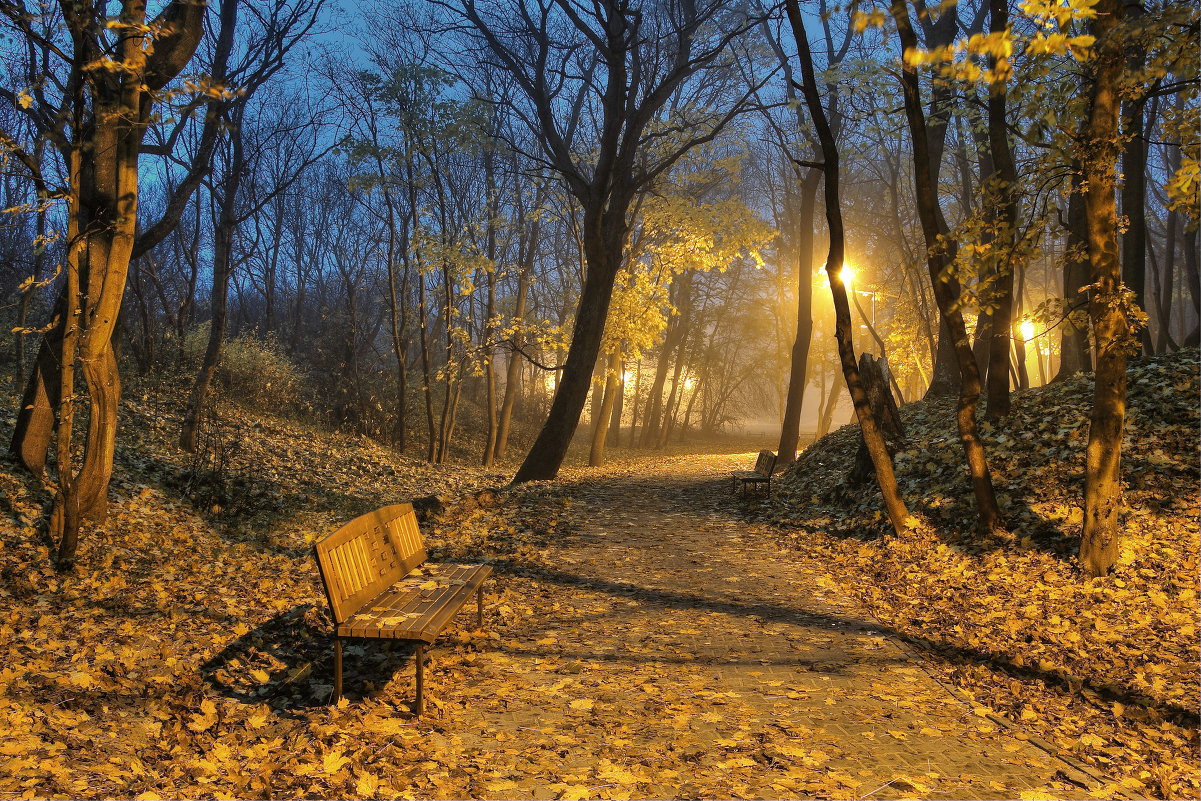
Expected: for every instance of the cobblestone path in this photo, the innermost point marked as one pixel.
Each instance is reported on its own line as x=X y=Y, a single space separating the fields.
x=665 y=649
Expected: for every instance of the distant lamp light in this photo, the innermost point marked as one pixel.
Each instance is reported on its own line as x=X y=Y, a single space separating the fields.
x=1027 y=329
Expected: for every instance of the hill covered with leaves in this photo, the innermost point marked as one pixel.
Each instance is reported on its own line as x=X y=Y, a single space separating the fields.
x=1105 y=670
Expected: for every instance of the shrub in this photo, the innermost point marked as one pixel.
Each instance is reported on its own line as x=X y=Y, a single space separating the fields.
x=252 y=369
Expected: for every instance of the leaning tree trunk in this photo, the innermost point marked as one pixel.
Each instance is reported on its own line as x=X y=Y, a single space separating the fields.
x=604 y=234
x=1100 y=142
x=884 y=408
x=940 y=256
x=893 y=504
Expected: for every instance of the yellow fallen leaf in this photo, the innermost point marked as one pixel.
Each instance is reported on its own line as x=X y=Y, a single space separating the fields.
x=367 y=784
x=582 y=703
x=260 y=675
x=206 y=718
x=332 y=762
x=81 y=679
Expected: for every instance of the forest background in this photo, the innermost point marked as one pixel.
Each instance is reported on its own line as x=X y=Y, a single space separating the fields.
x=420 y=221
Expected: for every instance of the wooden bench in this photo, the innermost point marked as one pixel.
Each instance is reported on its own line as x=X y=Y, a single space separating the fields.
x=379 y=586
x=764 y=465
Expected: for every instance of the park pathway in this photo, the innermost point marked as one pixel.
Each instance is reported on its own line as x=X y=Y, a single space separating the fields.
x=666 y=648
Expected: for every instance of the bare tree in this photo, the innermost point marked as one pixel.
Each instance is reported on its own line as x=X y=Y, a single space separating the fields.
x=604 y=87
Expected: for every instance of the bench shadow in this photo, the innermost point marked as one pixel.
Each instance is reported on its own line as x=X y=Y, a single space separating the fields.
x=287 y=662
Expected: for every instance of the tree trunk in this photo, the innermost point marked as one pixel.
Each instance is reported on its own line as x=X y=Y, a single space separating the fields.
x=676 y=328
x=790 y=429
x=513 y=369
x=875 y=383
x=940 y=256
x=604 y=233
x=1073 y=344
x=1192 y=275
x=223 y=242
x=1111 y=328
x=1004 y=192
x=614 y=434
x=600 y=423
x=1134 y=181
x=894 y=505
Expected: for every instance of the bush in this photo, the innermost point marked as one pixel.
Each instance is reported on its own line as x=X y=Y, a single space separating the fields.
x=252 y=370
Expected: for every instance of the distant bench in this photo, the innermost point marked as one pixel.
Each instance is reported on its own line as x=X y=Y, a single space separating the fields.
x=377 y=588
x=764 y=466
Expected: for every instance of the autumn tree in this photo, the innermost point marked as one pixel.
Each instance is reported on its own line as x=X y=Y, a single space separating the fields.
x=940 y=257
x=277 y=29
x=95 y=113
x=616 y=93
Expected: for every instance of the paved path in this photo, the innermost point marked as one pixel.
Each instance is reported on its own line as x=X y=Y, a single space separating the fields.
x=663 y=649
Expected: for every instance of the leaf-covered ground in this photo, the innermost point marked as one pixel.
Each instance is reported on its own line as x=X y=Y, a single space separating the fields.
x=1105 y=670
x=645 y=638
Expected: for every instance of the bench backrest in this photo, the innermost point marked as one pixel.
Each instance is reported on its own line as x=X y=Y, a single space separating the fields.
x=367 y=556
x=765 y=464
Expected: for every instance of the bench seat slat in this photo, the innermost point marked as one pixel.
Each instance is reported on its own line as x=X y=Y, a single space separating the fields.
x=407 y=612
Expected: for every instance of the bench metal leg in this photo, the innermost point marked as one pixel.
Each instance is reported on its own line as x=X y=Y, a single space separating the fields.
x=337 y=669
x=420 y=678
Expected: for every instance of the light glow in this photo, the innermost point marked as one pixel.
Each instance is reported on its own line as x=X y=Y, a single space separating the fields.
x=1027 y=329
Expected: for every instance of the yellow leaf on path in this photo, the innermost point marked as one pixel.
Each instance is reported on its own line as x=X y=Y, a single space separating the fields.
x=258 y=719
x=82 y=680
x=241 y=630
x=206 y=718
x=582 y=703
x=367 y=784
x=1038 y=795
x=260 y=675
x=500 y=787
x=571 y=792
x=149 y=795
x=332 y=762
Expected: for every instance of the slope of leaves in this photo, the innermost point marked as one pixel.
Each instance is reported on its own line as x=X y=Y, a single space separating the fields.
x=1106 y=670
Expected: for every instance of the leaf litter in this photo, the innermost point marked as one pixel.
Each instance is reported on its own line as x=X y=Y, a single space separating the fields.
x=189 y=655
x=1105 y=670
